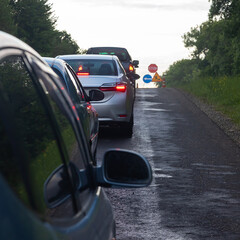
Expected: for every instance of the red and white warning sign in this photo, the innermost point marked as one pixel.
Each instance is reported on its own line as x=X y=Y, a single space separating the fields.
x=152 y=68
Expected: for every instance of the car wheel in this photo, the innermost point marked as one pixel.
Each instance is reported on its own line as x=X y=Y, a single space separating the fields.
x=128 y=128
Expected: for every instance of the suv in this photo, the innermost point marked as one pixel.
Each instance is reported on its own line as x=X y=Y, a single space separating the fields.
x=124 y=57
x=49 y=187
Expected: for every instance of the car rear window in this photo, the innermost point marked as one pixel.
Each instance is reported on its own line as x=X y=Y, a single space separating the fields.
x=122 y=54
x=93 y=67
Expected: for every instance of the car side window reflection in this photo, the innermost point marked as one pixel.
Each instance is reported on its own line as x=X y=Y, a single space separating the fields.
x=41 y=148
x=80 y=94
x=74 y=149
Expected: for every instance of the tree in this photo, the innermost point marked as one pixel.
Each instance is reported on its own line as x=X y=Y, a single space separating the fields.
x=6 y=18
x=181 y=71
x=35 y=23
x=36 y=26
x=63 y=44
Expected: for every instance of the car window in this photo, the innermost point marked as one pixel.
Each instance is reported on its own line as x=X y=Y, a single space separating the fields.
x=80 y=94
x=61 y=78
x=85 y=67
x=38 y=147
x=121 y=69
x=78 y=84
x=121 y=53
x=72 y=134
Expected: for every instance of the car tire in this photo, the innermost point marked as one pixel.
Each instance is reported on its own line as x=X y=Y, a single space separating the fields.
x=128 y=127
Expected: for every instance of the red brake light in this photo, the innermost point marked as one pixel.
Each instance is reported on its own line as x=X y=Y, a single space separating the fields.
x=82 y=73
x=121 y=88
x=131 y=68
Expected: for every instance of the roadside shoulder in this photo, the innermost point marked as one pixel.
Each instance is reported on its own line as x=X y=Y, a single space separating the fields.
x=225 y=123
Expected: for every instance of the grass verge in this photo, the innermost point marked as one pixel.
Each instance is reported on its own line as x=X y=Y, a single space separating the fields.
x=223 y=93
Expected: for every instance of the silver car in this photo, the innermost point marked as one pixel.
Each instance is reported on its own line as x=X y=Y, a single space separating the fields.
x=106 y=73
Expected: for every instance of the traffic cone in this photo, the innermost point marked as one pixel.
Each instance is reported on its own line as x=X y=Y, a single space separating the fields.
x=164 y=83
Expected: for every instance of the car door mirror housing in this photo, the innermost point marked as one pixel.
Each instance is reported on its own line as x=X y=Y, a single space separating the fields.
x=123 y=168
x=96 y=95
x=133 y=76
x=135 y=63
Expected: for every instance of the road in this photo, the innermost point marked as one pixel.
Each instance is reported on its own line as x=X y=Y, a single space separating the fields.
x=195 y=193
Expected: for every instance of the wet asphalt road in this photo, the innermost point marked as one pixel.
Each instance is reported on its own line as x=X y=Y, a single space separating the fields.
x=195 y=193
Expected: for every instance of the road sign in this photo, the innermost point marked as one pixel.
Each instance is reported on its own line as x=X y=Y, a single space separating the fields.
x=157 y=78
x=152 y=68
x=147 y=78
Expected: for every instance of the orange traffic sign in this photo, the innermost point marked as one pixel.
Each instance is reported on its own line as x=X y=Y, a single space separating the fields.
x=157 y=78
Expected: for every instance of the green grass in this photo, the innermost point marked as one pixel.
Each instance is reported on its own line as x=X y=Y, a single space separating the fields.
x=222 y=92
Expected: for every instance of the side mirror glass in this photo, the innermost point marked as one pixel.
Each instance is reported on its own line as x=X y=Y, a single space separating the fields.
x=96 y=95
x=126 y=168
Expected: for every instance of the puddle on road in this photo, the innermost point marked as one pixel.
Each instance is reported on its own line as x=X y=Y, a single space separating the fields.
x=156 y=109
x=158 y=175
x=157 y=169
x=146 y=95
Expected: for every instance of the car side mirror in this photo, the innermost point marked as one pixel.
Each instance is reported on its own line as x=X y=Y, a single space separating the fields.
x=135 y=63
x=96 y=95
x=133 y=76
x=123 y=168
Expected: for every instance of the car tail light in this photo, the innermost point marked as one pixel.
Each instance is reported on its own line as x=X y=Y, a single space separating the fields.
x=131 y=68
x=121 y=87
x=82 y=73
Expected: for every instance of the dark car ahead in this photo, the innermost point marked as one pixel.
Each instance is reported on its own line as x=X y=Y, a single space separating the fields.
x=70 y=81
x=129 y=65
x=49 y=187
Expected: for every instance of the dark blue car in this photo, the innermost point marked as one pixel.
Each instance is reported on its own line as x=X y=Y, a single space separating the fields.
x=89 y=116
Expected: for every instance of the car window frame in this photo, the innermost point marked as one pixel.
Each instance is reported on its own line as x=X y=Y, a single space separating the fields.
x=73 y=116
x=12 y=52
x=78 y=83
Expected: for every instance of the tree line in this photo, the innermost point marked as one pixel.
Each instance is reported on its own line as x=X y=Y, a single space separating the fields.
x=214 y=45
x=33 y=21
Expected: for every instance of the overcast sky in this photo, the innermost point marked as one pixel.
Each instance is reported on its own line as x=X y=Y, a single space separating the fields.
x=151 y=30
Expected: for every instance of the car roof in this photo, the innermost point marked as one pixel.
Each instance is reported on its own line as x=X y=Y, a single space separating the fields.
x=56 y=63
x=88 y=56
x=118 y=48
x=9 y=41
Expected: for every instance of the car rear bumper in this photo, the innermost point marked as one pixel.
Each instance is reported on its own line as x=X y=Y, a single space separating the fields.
x=117 y=109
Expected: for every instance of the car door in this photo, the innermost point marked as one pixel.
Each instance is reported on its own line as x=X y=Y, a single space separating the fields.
x=92 y=203
x=92 y=114
x=45 y=149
